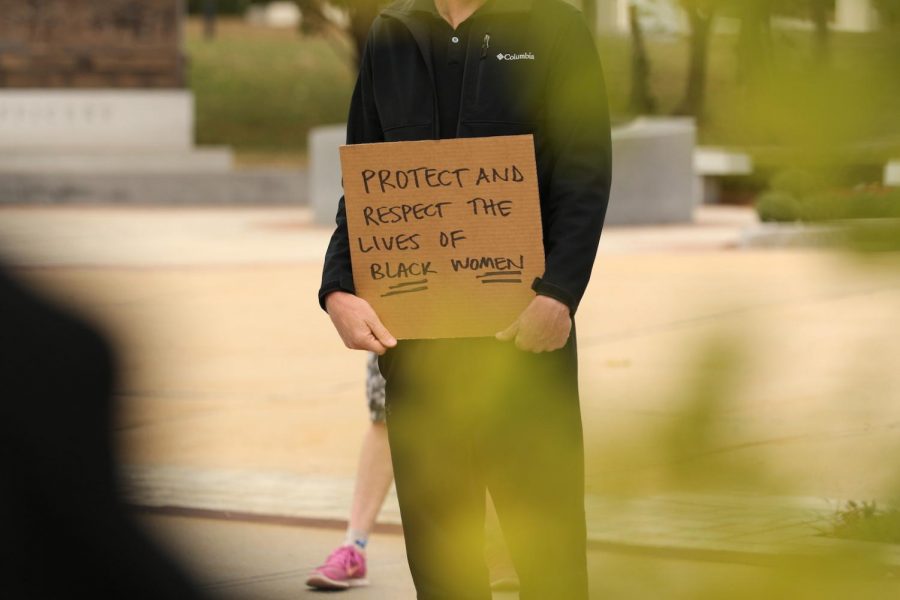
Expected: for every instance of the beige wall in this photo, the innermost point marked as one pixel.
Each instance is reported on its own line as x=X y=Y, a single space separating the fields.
x=855 y=15
x=612 y=15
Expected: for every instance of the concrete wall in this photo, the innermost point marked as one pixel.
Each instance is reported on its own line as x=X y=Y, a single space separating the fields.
x=653 y=172
x=256 y=187
x=892 y=173
x=612 y=16
x=102 y=131
x=325 y=187
x=855 y=15
x=69 y=119
x=282 y=15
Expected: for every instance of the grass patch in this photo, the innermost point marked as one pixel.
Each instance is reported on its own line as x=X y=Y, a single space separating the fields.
x=845 y=111
x=865 y=521
x=260 y=90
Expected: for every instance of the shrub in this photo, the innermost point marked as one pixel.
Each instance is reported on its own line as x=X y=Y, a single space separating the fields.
x=798 y=182
x=865 y=521
x=777 y=206
x=864 y=203
x=223 y=7
x=797 y=195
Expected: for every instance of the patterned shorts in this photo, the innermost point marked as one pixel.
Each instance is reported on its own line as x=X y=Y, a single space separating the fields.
x=374 y=389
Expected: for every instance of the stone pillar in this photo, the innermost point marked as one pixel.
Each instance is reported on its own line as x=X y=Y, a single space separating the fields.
x=855 y=15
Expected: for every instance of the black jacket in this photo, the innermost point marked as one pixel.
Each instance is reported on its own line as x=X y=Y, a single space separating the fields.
x=531 y=67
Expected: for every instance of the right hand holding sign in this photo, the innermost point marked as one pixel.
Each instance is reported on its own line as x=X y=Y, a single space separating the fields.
x=544 y=326
x=357 y=324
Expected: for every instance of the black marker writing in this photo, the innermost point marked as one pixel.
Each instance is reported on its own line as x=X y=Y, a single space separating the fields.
x=391 y=242
x=416 y=178
x=495 y=175
x=385 y=215
x=495 y=263
x=400 y=270
x=451 y=238
x=490 y=207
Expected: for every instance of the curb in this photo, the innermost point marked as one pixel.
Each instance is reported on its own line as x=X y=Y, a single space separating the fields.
x=727 y=528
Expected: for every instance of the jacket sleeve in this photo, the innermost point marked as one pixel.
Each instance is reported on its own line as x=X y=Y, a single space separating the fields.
x=363 y=126
x=578 y=134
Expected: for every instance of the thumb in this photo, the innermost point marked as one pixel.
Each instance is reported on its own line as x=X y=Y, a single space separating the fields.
x=381 y=333
x=509 y=333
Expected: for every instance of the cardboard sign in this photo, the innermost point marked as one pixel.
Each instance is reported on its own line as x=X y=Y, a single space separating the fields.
x=445 y=235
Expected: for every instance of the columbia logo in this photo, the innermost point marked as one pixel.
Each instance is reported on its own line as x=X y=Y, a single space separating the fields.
x=522 y=56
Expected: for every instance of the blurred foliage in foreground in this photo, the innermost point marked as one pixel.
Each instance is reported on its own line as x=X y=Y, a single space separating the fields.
x=688 y=453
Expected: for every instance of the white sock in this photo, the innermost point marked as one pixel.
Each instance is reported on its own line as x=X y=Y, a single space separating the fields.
x=358 y=538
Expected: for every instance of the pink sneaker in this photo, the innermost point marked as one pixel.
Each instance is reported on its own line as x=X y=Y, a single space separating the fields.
x=344 y=568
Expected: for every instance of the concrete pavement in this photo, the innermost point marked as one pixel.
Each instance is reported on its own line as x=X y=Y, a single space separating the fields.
x=236 y=560
x=237 y=395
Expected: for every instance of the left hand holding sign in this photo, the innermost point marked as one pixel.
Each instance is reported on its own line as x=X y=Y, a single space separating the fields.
x=543 y=326
x=357 y=324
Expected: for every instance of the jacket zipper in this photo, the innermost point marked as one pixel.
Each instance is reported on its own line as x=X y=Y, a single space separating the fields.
x=485 y=44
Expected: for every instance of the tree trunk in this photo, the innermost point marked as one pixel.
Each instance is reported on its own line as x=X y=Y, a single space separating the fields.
x=642 y=101
x=209 y=19
x=361 y=17
x=819 y=13
x=695 y=94
x=589 y=8
x=755 y=42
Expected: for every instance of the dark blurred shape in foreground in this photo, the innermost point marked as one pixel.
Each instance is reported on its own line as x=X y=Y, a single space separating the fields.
x=64 y=532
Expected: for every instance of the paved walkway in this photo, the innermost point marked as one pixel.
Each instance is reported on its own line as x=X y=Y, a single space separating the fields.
x=741 y=528
x=762 y=382
x=240 y=560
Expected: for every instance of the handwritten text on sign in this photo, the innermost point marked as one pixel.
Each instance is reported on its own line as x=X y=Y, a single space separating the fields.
x=445 y=236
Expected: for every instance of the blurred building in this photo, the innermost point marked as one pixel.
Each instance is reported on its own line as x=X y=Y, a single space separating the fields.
x=91 y=90
x=91 y=44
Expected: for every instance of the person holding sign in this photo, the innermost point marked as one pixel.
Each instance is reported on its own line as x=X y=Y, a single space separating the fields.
x=494 y=412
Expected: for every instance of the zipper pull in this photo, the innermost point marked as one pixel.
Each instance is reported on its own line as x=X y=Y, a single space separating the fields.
x=485 y=45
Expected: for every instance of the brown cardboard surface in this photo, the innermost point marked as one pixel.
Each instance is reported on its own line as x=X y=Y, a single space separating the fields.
x=445 y=235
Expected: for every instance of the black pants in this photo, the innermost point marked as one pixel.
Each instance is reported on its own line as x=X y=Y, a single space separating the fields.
x=468 y=415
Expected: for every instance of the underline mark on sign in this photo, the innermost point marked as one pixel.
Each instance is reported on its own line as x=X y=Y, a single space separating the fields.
x=493 y=273
x=406 y=288
x=489 y=277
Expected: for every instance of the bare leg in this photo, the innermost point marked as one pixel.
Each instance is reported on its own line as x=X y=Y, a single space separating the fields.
x=373 y=478
x=345 y=567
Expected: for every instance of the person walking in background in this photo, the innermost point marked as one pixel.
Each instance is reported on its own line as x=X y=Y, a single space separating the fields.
x=499 y=414
x=346 y=566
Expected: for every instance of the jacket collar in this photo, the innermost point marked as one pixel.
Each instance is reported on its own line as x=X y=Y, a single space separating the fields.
x=405 y=8
x=408 y=11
